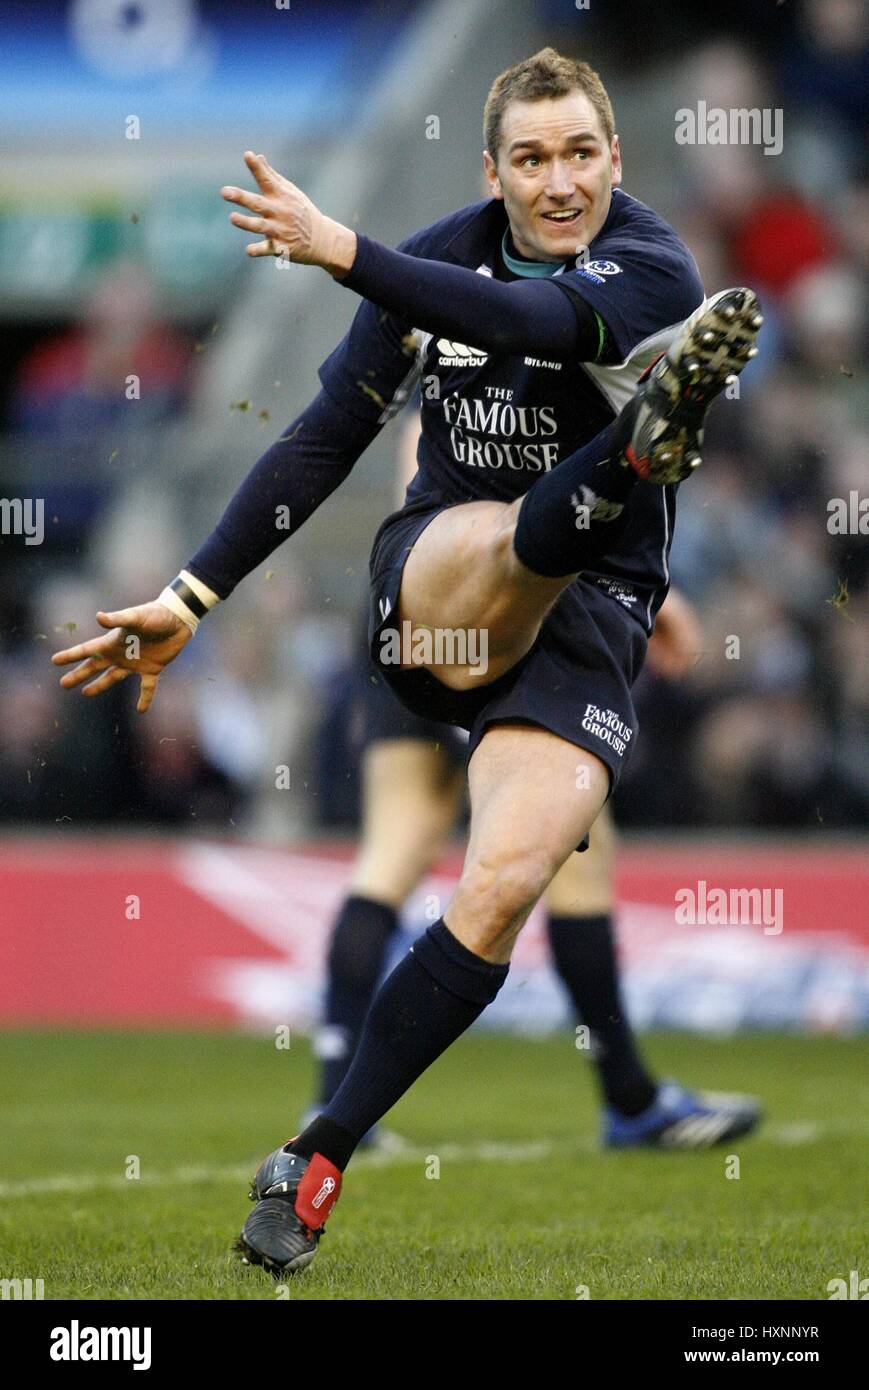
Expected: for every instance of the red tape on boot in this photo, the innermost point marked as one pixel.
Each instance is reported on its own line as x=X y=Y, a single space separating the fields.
x=640 y=466
x=318 y=1192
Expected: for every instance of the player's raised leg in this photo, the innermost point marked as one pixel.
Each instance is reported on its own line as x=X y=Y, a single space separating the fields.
x=498 y=567
x=527 y=816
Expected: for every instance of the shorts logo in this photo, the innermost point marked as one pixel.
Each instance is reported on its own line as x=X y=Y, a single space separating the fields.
x=623 y=593
x=605 y=724
x=460 y=355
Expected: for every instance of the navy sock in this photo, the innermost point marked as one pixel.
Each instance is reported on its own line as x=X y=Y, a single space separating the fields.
x=359 y=942
x=431 y=997
x=585 y=957
x=576 y=513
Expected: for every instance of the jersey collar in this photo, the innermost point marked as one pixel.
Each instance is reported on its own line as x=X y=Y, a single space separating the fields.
x=484 y=231
x=529 y=270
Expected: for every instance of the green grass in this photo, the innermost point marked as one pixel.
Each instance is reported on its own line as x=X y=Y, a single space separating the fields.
x=637 y=1225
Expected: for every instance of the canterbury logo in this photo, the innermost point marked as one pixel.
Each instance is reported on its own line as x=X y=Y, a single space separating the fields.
x=326 y=1189
x=460 y=353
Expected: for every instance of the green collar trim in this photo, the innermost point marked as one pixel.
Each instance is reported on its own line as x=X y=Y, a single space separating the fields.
x=531 y=270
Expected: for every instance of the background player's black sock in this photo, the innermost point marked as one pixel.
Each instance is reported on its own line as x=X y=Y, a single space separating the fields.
x=585 y=957
x=566 y=520
x=359 y=940
x=427 y=1002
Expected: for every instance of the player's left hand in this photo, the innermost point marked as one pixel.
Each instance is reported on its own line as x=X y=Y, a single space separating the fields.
x=140 y=641
x=677 y=640
x=290 y=223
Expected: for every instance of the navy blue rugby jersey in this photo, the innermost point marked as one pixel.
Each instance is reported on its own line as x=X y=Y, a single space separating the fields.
x=494 y=423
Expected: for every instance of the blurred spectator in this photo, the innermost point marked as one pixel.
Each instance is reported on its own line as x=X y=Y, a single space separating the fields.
x=826 y=69
x=781 y=237
x=77 y=384
x=82 y=395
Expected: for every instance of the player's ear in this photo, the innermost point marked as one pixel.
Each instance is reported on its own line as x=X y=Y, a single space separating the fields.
x=615 y=150
x=491 y=174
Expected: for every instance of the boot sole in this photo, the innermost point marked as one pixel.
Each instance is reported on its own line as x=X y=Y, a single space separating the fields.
x=711 y=350
x=274 y=1237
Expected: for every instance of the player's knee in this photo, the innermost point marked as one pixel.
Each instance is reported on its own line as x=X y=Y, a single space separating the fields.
x=497 y=891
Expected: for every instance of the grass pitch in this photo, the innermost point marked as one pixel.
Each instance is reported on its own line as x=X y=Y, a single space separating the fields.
x=526 y=1205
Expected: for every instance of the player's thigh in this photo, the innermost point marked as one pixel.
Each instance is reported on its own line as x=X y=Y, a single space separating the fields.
x=583 y=886
x=527 y=815
x=458 y=545
x=463 y=572
x=411 y=796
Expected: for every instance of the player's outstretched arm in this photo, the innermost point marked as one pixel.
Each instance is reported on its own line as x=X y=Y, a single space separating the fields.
x=295 y=475
x=141 y=641
x=526 y=316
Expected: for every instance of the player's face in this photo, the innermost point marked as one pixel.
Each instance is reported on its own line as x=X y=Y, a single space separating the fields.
x=555 y=173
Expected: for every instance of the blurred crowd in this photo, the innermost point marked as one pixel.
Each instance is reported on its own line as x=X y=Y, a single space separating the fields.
x=772 y=727
x=769 y=730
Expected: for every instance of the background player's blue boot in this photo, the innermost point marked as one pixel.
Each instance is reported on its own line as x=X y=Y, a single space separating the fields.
x=680 y=1119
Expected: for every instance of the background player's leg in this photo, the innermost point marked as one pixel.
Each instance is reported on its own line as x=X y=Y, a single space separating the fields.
x=639 y=1111
x=579 y=905
x=527 y=816
x=583 y=886
x=411 y=794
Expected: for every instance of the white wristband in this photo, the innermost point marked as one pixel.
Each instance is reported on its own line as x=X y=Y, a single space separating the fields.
x=170 y=599
x=202 y=591
x=197 y=593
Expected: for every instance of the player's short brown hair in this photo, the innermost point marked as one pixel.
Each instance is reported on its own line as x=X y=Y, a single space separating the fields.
x=544 y=74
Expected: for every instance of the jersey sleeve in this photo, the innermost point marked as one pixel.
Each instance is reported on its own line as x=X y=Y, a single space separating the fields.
x=373 y=368
x=636 y=287
x=445 y=299
x=286 y=486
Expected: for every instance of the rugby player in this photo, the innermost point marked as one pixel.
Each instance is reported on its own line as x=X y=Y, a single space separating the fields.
x=413 y=785
x=537 y=529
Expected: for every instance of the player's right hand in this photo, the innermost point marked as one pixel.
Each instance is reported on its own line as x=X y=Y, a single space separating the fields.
x=291 y=224
x=141 y=641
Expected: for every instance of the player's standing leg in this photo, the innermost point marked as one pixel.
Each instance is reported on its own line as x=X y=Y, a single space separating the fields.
x=527 y=816
x=412 y=794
